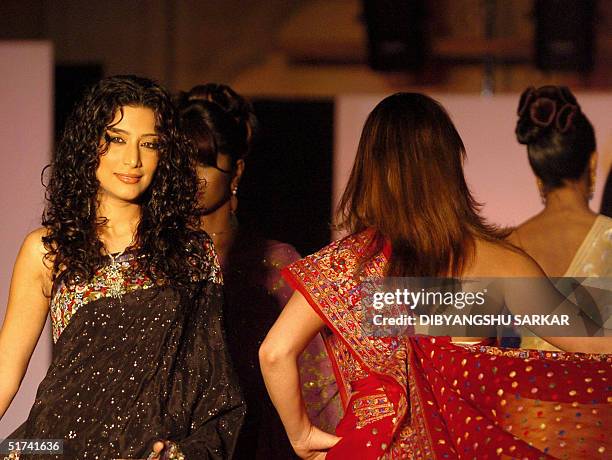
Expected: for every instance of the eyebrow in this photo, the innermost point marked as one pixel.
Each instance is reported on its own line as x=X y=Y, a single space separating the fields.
x=123 y=131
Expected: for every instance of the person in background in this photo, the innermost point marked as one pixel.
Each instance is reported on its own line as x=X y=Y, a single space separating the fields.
x=222 y=125
x=133 y=288
x=606 y=199
x=566 y=238
x=409 y=212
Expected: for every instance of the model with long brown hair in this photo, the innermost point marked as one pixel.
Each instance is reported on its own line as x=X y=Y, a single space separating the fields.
x=410 y=213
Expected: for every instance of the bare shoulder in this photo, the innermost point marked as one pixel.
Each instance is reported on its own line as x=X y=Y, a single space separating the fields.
x=33 y=269
x=515 y=237
x=33 y=251
x=33 y=243
x=521 y=264
x=524 y=233
x=500 y=260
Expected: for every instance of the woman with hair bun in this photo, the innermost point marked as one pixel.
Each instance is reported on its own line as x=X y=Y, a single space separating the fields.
x=566 y=238
x=133 y=288
x=222 y=125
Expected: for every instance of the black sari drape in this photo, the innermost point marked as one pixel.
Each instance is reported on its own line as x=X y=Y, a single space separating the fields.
x=151 y=364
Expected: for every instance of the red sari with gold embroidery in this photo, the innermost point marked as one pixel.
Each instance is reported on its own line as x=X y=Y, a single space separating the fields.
x=426 y=398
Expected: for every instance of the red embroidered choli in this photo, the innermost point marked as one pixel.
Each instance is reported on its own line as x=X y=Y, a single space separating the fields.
x=427 y=398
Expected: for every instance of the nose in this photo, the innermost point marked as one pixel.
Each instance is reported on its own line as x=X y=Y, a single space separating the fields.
x=131 y=155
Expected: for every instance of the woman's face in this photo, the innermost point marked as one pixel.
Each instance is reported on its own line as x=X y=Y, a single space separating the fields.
x=214 y=185
x=127 y=167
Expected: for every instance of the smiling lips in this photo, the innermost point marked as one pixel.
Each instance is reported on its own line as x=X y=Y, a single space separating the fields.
x=128 y=178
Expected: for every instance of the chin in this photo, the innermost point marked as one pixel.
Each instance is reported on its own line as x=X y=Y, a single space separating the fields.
x=127 y=193
x=133 y=198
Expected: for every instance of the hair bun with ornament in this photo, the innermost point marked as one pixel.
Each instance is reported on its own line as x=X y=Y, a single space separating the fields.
x=544 y=109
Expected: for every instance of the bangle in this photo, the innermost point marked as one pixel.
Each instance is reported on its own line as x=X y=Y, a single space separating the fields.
x=172 y=452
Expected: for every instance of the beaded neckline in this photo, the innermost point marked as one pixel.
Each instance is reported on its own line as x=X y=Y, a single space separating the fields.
x=124 y=256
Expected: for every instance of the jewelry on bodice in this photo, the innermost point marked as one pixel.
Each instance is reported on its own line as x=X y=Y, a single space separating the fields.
x=116 y=282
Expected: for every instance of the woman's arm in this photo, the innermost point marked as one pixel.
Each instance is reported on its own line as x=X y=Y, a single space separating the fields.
x=294 y=329
x=25 y=316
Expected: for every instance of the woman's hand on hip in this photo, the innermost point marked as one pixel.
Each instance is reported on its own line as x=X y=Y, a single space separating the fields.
x=314 y=444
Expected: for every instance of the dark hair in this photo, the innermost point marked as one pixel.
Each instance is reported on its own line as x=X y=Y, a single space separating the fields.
x=559 y=137
x=217 y=120
x=164 y=234
x=606 y=198
x=408 y=184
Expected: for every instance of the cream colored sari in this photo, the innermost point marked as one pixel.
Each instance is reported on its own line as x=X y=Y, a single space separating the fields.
x=593 y=259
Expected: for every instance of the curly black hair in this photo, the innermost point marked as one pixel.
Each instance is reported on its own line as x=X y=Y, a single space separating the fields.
x=167 y=229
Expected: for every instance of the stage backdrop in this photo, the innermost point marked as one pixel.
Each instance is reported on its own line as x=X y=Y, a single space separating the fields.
x=497 y=168
x=26 y=127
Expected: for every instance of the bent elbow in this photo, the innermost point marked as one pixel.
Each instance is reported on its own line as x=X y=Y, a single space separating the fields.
x=267 y=355
x=272 y=354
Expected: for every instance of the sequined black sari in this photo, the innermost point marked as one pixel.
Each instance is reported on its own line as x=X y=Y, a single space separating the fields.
x=128 y=369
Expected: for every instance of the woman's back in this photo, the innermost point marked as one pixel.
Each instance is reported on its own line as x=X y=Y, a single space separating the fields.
x=553 y=238
x=498 y=260
x=561 y=149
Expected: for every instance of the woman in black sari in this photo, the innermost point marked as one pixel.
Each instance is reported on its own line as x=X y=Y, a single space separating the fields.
x=133 y=290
